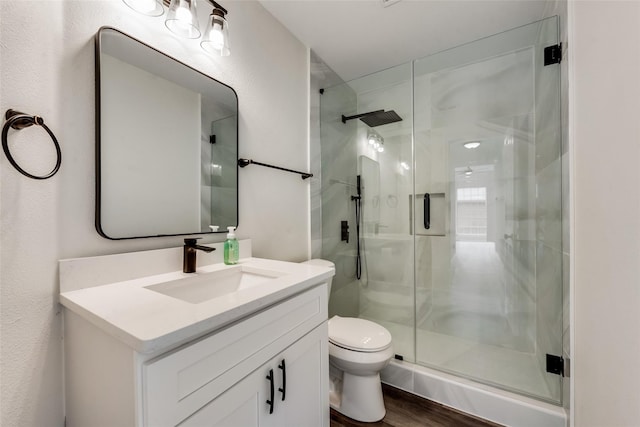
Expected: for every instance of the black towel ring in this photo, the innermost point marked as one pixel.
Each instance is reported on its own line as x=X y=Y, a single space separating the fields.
x=18 y=120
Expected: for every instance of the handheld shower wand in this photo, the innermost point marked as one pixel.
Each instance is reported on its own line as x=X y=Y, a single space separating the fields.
x=358 y=189
x=358 y=200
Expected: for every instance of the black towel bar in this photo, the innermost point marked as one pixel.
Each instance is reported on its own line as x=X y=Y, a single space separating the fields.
x=246 y=162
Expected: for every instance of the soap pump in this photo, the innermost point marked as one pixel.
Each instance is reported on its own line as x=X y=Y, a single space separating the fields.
x=231 y=248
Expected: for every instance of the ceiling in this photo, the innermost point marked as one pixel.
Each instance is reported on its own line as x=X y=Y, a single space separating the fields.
x=358 y=37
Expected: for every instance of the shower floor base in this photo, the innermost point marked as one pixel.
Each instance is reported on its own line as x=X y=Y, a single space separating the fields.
x=480 y=400
x=503 y=367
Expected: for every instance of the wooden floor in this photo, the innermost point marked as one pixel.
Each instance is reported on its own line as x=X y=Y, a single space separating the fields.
x=408 y=410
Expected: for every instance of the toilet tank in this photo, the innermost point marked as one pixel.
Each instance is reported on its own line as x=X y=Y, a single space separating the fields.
x=323 y=263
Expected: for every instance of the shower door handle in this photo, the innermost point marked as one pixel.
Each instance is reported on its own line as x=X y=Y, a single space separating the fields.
x=427 y=211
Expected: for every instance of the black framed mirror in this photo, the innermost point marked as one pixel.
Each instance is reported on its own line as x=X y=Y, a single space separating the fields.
x=166 y=144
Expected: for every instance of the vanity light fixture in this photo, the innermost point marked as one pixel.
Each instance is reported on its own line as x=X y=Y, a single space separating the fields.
x=182 y=19
x=216 y=37
x=376 y=141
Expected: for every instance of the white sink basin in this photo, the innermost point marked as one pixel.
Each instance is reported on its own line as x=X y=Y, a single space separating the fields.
x=202 y=287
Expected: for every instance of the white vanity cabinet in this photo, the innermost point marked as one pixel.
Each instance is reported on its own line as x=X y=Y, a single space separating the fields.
x=217 y=380
x=286 y=391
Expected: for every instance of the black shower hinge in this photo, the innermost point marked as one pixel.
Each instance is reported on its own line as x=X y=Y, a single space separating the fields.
x=553 y=54
x=321 y=91
x=555 y=364
x=212 y=139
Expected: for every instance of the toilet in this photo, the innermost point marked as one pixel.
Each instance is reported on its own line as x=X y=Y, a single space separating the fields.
x=358 y=350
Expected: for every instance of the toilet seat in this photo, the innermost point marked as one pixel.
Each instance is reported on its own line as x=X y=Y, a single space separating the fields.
x=358 y=334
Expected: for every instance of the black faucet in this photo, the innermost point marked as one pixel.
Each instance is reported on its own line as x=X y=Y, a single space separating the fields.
x=189 y=251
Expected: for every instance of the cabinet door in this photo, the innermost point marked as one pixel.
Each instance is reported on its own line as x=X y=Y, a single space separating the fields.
x=243 y=405
x=303 y=383
x=306 y=392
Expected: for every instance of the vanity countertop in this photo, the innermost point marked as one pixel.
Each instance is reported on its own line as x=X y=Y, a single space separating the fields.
x=149 y=321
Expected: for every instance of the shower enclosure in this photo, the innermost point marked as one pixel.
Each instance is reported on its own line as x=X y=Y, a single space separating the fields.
x=459 y=232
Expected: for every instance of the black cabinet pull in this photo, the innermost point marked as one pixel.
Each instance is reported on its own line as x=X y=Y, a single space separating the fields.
x=270 y=401
x=427 y=211
x=283 y=389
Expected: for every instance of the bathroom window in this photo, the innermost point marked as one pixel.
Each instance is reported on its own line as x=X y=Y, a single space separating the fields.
x=471 y=213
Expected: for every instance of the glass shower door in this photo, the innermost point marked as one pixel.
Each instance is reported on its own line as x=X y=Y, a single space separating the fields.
x=378 y=155
x=487 y=211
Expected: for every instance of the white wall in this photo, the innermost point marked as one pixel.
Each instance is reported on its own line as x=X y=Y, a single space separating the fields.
x=46 y=68
x=605 y=144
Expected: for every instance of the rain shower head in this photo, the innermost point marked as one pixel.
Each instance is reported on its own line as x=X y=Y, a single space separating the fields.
x=380 y=119
x=375 y=118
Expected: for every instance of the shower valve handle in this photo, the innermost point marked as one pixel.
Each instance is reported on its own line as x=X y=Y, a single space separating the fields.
x=344 y=231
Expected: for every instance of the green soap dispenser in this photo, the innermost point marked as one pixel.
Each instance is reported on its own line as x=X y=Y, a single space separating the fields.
x=231 y=248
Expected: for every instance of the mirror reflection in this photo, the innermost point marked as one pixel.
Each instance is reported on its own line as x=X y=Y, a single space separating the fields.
x=167 y=144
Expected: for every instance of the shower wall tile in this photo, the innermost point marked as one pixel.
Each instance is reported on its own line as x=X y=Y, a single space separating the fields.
x=548 y=144
x=389 y=259
x=525 y=266
x=442 y=250
x=221 y=213
x=566 y=332
x=387 y=304
x=422 y=104
x=565 y=305
x=431 y=159
x=549 y=323
x=548 y=107
x=315 y=165
x=423 y=278
x=321 y=76
x=338 y=170
x=205 y=207
x=520 y=292
x=549 y=205
x=566 y=197
x=423 y=262
x=344 y=301
x=499 y=90
x=316 y=221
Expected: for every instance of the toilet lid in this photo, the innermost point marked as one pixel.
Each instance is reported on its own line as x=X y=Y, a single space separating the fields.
x=358 y=334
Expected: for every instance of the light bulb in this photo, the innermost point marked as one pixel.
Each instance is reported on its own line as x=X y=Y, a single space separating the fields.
x=183 y=15
x=216 y=36
x=146 y=6
x=472 y=144
x=372 y=140
x=182 y=20
x=380 y=149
